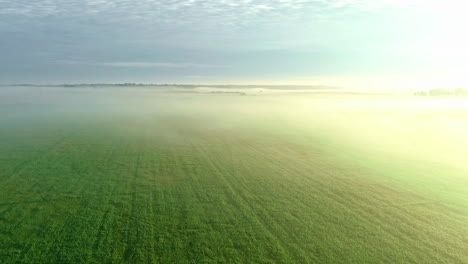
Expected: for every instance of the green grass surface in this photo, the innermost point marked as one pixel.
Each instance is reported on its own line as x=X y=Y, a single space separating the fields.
x=116 y=176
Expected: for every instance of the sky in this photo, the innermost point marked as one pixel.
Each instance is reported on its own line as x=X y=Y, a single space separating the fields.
x=378 y=44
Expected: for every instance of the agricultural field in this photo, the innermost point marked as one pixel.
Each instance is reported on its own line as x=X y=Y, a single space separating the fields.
x=151 y=175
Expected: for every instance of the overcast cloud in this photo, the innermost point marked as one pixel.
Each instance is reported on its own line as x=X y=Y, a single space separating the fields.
x=56 y=41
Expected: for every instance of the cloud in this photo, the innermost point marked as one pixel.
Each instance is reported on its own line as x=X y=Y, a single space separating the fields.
x=133 y=64
x=117 y=39
x=189 y=8
x=156 y=19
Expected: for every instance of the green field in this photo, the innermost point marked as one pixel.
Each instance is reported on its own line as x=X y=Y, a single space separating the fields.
x=115 y=175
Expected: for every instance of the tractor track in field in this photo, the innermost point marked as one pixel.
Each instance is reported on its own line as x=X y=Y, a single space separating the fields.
x=344 y=202
x=345 y=199
x=240 y=201
x=353 y=194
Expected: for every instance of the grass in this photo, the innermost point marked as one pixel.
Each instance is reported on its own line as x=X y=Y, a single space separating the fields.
x=145 y=177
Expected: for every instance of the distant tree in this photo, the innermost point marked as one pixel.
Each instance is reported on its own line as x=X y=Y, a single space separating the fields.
x=443 y=92
x=421 y=93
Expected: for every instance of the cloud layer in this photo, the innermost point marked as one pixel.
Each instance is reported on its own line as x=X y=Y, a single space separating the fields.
x=225 y=40
x=187 y=11
x=136 y=64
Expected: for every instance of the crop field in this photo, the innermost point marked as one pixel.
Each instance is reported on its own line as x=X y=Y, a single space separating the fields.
x=117 y=175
